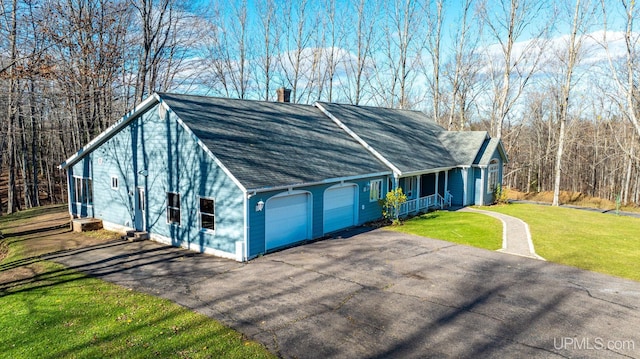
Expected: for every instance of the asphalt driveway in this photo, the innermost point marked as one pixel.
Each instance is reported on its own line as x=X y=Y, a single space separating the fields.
x=383 y=294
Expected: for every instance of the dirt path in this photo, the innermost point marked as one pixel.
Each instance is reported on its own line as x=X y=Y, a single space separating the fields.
x=40 y=235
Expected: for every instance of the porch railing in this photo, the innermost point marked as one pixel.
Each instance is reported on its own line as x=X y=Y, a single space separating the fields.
x=427 y=202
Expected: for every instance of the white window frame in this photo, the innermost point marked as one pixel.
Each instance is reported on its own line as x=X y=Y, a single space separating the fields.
x=492 y=177
x=169 y=207
x=200 y=214
x=83 y=190
x=375 y=186
x=115 y=182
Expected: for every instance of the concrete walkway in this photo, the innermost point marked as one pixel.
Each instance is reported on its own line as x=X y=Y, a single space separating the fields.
x=516 y=237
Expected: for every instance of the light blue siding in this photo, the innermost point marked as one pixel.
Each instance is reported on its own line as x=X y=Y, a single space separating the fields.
x=161 y=156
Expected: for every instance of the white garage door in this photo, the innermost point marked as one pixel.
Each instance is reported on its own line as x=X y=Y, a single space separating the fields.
x=287 y=220
x=339 y=208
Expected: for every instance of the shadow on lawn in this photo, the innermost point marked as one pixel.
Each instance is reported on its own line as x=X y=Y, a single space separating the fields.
x=97 y=268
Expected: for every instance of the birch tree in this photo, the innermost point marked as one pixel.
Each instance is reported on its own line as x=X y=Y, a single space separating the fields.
x=269 y=34
x=435 y=18
x=581 y=14
x=462 y=73
x=507 y=22
x=362 y=42
x=627 y=82
x=394 y=76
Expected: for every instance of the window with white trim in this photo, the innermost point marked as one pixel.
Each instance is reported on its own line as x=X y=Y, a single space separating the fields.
x=375 y=190
x=173 y=207
x=114 y=182
x=492 y=181
x=83 y=190
x=207 y=214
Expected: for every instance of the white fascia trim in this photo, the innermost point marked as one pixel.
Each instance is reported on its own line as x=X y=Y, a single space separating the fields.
x=111 y=131
x=433 y=170
x=359 y=139
x=208 y=151
x=316 y=183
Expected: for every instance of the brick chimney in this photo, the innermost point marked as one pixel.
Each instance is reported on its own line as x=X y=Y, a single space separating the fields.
x=284 y=94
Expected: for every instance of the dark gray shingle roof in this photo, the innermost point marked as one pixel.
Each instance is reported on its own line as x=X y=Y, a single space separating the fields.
x=488 y=149
x=464 y=145
x=408 y=139
x=268 y=144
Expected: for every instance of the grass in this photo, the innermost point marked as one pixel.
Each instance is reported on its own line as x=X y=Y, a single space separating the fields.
x=471 y=229
x=597 y=242
x=52 y=312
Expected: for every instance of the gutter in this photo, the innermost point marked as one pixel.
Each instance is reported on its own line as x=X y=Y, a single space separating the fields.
x=254 y=191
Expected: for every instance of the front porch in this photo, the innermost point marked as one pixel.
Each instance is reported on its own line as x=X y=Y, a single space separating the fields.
x=425 y=192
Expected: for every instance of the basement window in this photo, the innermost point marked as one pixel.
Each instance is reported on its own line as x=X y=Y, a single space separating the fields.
x=173 y=208
x=207 y=214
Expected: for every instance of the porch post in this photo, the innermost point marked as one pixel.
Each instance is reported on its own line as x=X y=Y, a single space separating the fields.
x=446 y=182
x=437 y=177
x=482 y=186
x=417 y=189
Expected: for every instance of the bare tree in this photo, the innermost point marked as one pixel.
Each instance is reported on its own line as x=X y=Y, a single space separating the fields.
x=462 y=74
x=297 y=41
x=629 y=85
x=363 y=41
x=581 y=14
x=269 y=32
x=434 y=36
x=12 y=105
x=507 y=22
x=156 y=21
x=394 y=76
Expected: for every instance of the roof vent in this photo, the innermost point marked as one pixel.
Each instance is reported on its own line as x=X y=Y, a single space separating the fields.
x=284 y=94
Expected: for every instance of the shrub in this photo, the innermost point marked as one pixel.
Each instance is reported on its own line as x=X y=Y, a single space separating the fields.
x=500 y=194
x=391 y=205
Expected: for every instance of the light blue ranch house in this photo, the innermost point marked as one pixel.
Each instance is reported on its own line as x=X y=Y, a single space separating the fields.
x=241 y=178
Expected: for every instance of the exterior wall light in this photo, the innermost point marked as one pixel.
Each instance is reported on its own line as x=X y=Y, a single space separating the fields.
x=259 y=206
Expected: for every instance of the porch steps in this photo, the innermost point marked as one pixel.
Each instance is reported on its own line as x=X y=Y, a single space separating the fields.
x=86 y=224
x=136 y=236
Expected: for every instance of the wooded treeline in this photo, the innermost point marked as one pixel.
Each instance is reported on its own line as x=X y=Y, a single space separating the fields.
x=566 y=107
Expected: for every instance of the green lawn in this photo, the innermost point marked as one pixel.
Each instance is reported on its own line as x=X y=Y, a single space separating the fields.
x=472 y=229
x=598 y=242
x=51 y=312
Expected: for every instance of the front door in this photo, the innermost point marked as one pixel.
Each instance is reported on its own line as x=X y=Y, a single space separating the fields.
x=478 y=196
x=140 y=209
